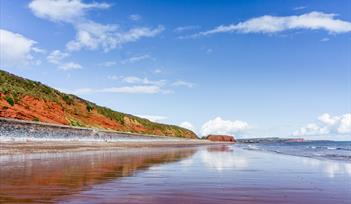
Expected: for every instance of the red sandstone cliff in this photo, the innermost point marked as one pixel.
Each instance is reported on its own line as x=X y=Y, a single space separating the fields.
x=221 y=138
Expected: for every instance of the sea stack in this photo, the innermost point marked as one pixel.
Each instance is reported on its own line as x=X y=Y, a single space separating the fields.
x=221 y=138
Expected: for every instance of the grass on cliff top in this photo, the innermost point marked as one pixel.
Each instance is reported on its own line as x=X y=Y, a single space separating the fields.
x=15 y=87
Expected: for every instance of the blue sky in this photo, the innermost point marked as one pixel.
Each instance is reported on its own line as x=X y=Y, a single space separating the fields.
x=247 y=68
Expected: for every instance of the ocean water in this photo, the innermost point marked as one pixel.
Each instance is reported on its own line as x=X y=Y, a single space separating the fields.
x=334 y=150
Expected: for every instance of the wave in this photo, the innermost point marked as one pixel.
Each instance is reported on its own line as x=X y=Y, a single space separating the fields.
x=332 y=150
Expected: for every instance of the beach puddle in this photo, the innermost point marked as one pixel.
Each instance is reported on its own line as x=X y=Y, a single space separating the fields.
x=206 y=174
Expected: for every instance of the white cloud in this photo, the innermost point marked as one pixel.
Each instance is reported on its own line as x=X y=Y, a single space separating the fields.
x=135 y=17
x=69 y=66
x=327 y=125
x=135 y=59
x=226 y=127
x=89 y=34
x=187 y=125
x=56 y=56
x=273 y=24
x=16 y=50
x=63 y=10
x=153 y=118
x=183 y=83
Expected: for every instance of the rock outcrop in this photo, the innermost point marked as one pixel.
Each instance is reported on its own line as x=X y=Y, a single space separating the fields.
x=221 y=138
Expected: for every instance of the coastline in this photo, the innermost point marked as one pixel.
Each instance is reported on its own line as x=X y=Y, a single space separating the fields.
x=27 y=147
x=20 y=137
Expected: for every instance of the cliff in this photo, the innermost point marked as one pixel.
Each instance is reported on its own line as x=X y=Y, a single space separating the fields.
x=25 y=99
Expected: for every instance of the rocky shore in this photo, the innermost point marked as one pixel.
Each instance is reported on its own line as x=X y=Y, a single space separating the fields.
x=19 y=130
x=17 y=136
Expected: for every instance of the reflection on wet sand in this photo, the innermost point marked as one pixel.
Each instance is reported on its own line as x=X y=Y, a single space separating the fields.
x=205 y=174
x=221 y=158
x=44 y=177
x=330 y=168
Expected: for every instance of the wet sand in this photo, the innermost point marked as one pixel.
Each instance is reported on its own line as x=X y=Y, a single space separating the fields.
x=200 y=174
x=18 y=147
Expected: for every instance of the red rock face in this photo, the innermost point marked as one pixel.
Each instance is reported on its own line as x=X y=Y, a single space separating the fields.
x=221 y=138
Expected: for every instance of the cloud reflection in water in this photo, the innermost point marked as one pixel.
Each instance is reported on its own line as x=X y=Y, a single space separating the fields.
x=222 y=158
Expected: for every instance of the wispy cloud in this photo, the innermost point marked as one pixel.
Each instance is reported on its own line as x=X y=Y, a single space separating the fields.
x=114 y=77
x=135 y=59
x=157 y=71
x=325 y=39
x=209 y=51
x=93 y=36
x=135 y=17
x=56 y=56
x=69 y=66
x=299 y=8
x=183 y=83
x=147 y=89
x=162 y=83
x=134 y=85
x=38 y=50
x=138 y=80
x=108 y=63
x=274 y=24
x=89 y=34
x=186 y=28
x=136 y=89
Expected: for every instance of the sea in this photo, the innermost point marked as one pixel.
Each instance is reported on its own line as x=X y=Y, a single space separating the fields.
x=334 y=150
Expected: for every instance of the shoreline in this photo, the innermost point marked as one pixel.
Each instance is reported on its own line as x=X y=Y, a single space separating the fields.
x=19 y=137
x=28 y=147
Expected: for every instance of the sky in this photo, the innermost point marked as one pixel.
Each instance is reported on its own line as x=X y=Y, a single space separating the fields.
x=244 y=68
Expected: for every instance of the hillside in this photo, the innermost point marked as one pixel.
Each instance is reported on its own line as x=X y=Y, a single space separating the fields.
x=30 y=100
